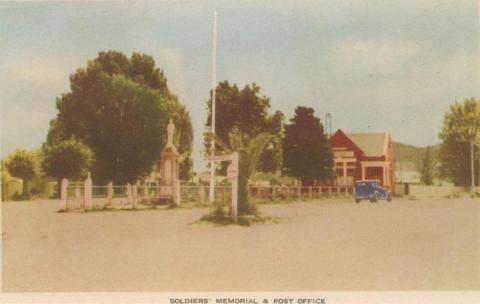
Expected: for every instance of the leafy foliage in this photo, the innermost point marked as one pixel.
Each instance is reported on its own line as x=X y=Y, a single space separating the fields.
x=461 y=126
x=67 y=159
x=306 y=151
x=23 y=164
x=247 y=112
x=249 y=150
x=426 y=165
x=5 y=175
x=119 y=107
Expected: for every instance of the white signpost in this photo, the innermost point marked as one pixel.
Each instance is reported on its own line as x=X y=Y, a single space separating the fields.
x=232 y=174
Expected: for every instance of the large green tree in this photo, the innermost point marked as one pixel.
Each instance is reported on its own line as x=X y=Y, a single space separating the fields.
x=25 y=165
x=461 y=127
x=306 y=151
x=66 y=159
x=247 y=111
x=119 y=107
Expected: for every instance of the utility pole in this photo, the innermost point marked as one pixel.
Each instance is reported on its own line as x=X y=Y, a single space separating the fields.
x=211 y=193
x=472 y=165
x=328 y=125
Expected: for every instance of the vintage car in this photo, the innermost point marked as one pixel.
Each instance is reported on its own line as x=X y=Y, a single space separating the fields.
x=371 y=190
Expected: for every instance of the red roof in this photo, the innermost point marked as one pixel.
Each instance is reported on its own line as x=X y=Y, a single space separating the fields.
x=368 y=144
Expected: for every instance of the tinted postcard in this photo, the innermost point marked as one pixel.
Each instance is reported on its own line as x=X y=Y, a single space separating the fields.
x=235 y=152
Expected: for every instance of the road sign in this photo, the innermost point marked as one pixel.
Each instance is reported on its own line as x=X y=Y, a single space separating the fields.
x=228 y=157
x=232 y=172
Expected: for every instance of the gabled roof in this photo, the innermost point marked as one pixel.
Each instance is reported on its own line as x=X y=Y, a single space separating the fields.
x=340 y=139
x=372 y=144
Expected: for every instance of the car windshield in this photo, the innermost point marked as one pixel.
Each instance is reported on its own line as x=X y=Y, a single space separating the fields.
x=364 y=184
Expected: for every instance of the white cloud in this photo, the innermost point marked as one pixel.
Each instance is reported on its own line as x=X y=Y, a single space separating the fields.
x=42 y=79
x=29 y=89
x=364 y=57
x=414 y=102
x=52 y=72
x=172 y=63
x=39 y=72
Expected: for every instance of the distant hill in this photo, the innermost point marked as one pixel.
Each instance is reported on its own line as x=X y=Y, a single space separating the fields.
x=404 y=152
x=409 y=153
x=405 y=158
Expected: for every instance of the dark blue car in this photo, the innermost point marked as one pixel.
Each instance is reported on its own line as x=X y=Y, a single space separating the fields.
x=371 y=190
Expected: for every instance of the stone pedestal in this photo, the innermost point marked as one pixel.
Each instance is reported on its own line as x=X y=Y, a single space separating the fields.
x=169 y=170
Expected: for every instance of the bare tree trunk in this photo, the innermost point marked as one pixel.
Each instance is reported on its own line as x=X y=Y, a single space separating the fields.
x=472 y=167
x=25 y=188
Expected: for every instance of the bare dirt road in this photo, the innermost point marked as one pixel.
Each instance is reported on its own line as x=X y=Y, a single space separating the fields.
x=403 y=245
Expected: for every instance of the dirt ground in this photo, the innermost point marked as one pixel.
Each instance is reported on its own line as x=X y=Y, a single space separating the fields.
x=322 y=245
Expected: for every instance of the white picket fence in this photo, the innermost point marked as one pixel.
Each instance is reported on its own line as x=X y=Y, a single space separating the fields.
x=292 y=192
x=85 y=196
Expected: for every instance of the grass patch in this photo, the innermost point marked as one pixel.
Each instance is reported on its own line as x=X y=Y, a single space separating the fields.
x=172 y=205
x=191 y=204
x=107 y=208
x=332 y=198
x=462 y=194
x=127 y=208
x=273 y=202
x=219 y=217
x=454 y=194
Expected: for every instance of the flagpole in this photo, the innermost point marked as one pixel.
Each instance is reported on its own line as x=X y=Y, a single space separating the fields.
x=211 y=194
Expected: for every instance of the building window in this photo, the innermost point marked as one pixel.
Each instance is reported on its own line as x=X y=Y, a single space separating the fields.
x=339 y=172
x=350 y=172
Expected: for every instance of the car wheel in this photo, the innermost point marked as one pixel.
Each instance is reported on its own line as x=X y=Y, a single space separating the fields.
x=389 y=198
x=357 y=201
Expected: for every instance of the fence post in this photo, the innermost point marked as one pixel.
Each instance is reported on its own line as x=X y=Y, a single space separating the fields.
x=223 y=196
x=88 y=193
x=273 y=193
x=176 y=194
x=299 y=192
x=63 y=194
x=202 y=194
x=235 y=187
x=109 y=192
x=134 y=195
x=329 y=191
x=319 y=192
x=310 y=192
x=129 y=193
x=235 y=198
x=146 y=195
x=77 y=196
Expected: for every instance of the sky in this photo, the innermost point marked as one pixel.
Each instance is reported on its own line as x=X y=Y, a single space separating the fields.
x=374 y=65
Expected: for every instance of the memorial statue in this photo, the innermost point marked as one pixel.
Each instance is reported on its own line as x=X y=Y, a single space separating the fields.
x=169 y=167
x=170 y=131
